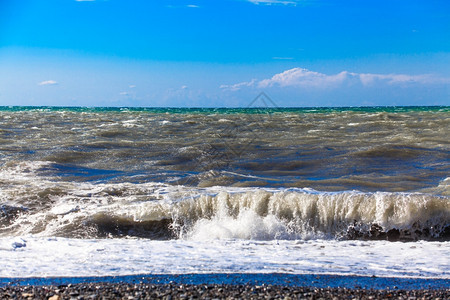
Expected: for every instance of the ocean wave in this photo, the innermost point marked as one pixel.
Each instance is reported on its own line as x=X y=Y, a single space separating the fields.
x=304 y=214
x=44 y=206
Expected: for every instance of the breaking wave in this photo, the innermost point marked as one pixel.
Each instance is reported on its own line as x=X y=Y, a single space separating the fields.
x=44 y=207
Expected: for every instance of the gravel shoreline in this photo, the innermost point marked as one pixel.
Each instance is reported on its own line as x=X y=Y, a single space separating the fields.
x=207 y=291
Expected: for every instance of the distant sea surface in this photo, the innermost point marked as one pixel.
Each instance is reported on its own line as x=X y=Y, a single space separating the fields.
x=123 y=191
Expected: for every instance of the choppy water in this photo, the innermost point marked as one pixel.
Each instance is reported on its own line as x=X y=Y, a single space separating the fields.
x=325 y=174
x=161 y=173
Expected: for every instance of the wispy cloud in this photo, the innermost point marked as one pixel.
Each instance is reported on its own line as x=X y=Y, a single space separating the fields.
x=300 y=77
x=238 y=86
x=368 y=79
x=282 y=58
x=274 y=2
x=48 y=82
x=84 y=0
x=183 y=6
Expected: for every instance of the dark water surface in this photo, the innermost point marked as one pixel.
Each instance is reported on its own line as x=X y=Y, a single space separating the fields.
x=277 y=279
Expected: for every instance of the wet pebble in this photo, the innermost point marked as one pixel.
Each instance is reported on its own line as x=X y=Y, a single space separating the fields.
x=214 y=291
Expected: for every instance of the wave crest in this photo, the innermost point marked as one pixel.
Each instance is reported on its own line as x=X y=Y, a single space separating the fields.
x=302 y=214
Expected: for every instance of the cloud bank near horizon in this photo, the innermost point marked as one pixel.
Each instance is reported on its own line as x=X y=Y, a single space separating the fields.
x=304 y=78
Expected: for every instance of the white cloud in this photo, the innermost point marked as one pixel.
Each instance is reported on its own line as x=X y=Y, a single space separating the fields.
x=48 y=82
x=304 y=77
x=183 y=6
x=238 y=86
x=273 y=2
x=300 y=77
x=84 y=0
x=282 y=58
x=368 y=79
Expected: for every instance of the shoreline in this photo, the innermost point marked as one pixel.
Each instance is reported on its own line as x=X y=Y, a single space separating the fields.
x=243 y=279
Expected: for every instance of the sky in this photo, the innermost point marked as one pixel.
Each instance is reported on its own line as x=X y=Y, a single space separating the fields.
x=223 y=53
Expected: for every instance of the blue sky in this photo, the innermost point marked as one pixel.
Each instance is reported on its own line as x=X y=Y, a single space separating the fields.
x=224 y=52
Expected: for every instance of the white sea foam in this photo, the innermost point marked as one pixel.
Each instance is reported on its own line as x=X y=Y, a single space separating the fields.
x=92 y=257
x=299 y=213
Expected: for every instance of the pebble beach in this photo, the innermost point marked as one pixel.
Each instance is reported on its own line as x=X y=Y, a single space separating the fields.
x=207 y=291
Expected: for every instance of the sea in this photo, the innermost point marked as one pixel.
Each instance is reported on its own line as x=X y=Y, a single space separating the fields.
x=263 y=191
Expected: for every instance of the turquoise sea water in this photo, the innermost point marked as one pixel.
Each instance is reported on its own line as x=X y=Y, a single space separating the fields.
x=247 y=110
